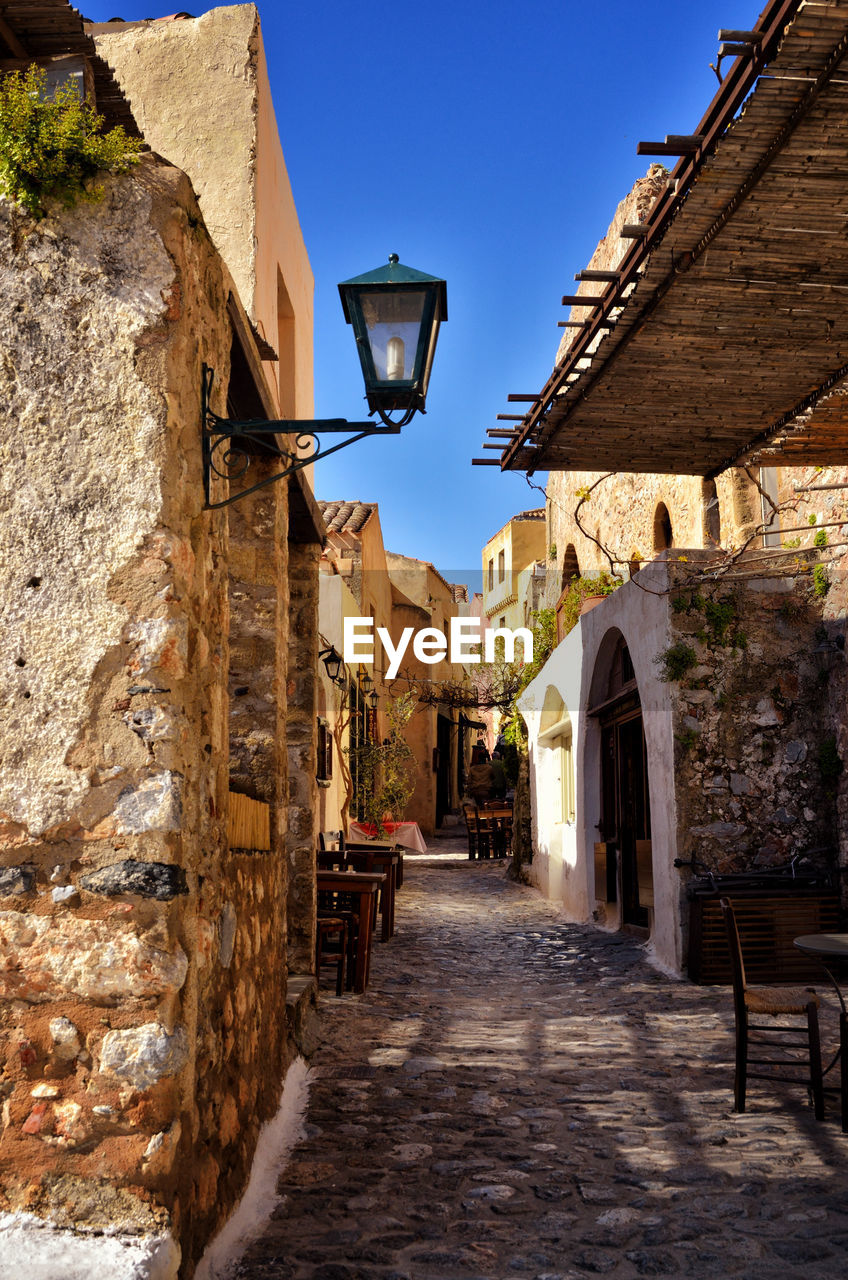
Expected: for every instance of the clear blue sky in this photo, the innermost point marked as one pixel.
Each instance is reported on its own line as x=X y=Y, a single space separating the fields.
x=487 y=143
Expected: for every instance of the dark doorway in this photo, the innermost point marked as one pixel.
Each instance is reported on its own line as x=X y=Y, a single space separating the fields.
x=443 y=767
x=625 y=824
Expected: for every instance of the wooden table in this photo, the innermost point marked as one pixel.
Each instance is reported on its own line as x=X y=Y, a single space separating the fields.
x=387 y=861
x=364 y=886
x=390 y=846
x=405 y=833
x=831 y=951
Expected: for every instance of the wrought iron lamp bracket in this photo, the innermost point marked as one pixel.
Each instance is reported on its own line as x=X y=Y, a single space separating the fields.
x=226 y=442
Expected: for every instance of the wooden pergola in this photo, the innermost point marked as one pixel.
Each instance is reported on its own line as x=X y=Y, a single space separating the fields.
x=36 y=30
x=723 y=335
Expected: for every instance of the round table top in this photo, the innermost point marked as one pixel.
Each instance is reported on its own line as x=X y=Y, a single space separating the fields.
x=828 y=945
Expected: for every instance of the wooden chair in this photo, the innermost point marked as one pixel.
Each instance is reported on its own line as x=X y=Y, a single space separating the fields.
x=330 y=840
x=329 y=927
x=469 y=813
x=501 y=816
x=771 y=1002
x=487 y=831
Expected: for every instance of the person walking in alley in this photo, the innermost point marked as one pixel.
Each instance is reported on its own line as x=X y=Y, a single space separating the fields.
x=499 y=777
x=481 y=777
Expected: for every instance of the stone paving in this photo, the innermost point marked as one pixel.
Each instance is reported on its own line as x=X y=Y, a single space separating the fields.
x=520 y=1097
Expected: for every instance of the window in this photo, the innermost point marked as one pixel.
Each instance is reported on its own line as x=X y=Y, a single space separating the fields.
x=663 y=532
x=491 y=575
x=324 y=771
x=502 y=622
x=501 y=565
x=565 y=761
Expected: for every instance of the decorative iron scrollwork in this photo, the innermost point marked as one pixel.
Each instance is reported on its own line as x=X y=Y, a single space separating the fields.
x=230 y=445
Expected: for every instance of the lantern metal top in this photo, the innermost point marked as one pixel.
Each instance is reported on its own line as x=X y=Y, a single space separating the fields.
x=396 y=273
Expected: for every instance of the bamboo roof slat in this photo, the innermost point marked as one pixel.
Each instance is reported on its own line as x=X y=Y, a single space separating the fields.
x=744 y=320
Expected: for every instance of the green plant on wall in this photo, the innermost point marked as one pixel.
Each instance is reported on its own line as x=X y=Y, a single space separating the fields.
x=821 y=581
x=581 y=589
x=52 y=147
x=675 y=661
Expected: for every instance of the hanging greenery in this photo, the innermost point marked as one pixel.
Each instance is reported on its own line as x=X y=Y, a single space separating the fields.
x=51 y=147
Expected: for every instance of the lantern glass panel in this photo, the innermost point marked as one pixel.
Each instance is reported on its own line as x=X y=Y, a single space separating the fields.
x=393 y=323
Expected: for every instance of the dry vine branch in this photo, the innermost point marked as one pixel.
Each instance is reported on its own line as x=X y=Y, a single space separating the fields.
x=725 y=564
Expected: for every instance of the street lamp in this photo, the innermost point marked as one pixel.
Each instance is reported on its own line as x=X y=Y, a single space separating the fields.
x=395 y=312
x=365 y=683
x=332 y=664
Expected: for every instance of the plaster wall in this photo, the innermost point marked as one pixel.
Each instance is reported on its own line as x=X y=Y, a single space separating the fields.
x=555 y=869
x=199 y=91
x=575 y=670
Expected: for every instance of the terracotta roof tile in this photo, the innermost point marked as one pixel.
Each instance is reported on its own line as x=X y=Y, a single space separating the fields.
x=346 y=517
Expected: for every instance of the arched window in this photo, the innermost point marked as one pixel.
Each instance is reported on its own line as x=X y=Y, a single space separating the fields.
x=570 y=566
x=555 y=734
x=663 y=532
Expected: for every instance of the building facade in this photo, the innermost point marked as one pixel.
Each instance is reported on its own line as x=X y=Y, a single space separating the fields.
x=157 y=785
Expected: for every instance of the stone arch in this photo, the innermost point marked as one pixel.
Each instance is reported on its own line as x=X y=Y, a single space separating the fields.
x=663 y=531
x=554 y=711
x=605 y=658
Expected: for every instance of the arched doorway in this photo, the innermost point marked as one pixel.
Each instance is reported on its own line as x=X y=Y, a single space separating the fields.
x=623 y=866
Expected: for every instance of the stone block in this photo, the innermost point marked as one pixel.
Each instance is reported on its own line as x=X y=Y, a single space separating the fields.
x=154 y=805
x=159 y=880
x=45 y=958
x=143 y=1055
x=16 y=880
x=66 y=1040
x=161 y=644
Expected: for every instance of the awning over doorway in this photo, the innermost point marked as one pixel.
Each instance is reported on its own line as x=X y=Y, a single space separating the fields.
x=729 y=315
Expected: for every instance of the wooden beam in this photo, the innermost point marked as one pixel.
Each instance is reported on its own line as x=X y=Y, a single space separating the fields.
x=510 y=417
x=504 y=431
x=485 y=462
x=17 y=49
x=591 y=274
x=741 y=37
x=634 y=231
x=514 y=399
x=676 y=144
x=578 y=300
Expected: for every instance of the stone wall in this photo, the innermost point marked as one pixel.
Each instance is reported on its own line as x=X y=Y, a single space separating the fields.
x=300 y=740
x=750 y=724
x=142 y=965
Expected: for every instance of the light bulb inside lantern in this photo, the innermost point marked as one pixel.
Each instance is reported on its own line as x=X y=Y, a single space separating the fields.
x=394 y=359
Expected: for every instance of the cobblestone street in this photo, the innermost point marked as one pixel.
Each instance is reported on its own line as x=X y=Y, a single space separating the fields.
x=520 y=1097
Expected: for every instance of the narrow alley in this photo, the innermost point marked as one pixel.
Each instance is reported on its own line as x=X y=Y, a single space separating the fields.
x=516 y=1096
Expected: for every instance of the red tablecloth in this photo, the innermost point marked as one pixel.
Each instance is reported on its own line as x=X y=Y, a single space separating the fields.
x=406 y=833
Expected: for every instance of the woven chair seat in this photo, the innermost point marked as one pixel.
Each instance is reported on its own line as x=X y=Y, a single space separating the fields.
x=779 y=999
